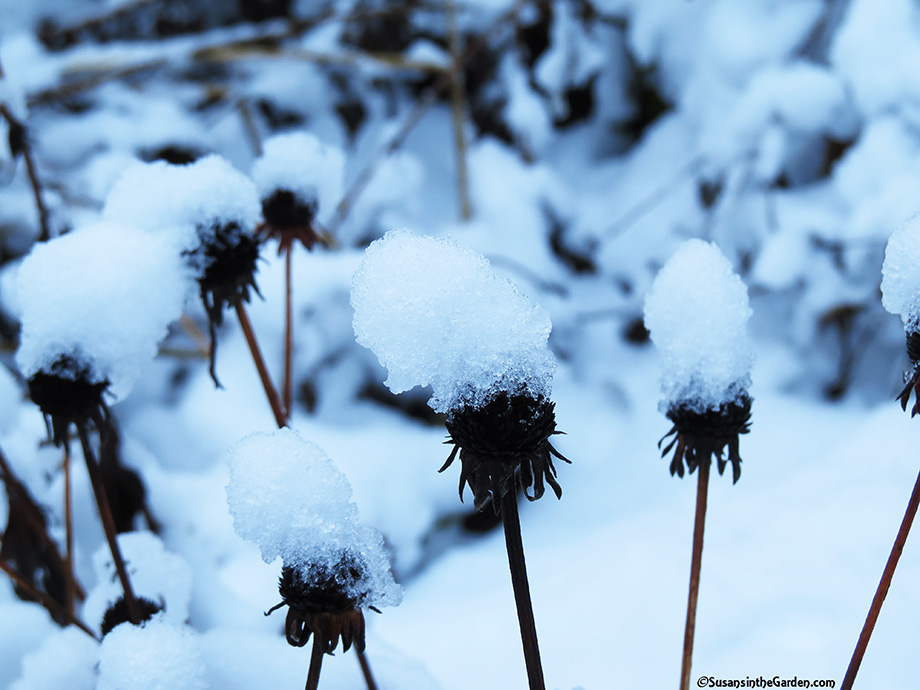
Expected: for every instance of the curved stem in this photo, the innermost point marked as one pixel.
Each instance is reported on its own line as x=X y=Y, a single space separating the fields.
x=515 y=546
x=702 y=489
x=883 y=585
x=316 y=664
x=68 y=523
x=270 y=392
x=44 y=599
x=108 y=525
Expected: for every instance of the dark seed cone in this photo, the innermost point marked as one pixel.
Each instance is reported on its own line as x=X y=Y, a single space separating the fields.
x=231 y=259
x=289 y=218
x=117 y=613
x=913 y=376
x=320 y=603
x=701 y=436
x=509 y=433
x=66 y=396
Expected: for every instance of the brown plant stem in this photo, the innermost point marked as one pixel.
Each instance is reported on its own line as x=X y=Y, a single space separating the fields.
x=31 y=172
x=287 y=388
x=883 y=586
x=515 y=546
x=366 y=670
x=458 y=115
x=44 y=599
x=702 y=489
x=316 y=664
x=108 y=525
x=270 y=392
x=70 y=592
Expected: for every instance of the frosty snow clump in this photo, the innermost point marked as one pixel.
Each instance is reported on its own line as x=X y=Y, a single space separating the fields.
x=288 y=497
x=697 y=313
x=101 y=296
x=436 y=314
x=901 y=274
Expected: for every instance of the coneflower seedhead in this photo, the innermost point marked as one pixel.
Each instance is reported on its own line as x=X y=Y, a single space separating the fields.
x=507 y=434
x=66 y=394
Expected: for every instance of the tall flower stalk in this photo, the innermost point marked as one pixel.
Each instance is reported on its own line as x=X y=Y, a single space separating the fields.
x=901 y=296
x=697 y=312
x=435 y=314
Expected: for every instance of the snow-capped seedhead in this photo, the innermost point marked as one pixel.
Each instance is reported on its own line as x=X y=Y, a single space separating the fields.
x=95 y=303
x=288 y=497
x=901 y=296
x=299 y=179
x=158 y=655
x=435 y=314
x=212 y=209
x=697 y=313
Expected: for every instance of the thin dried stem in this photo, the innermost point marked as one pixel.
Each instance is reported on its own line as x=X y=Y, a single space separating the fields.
x=202 y=344
x=287 y=389
x=249 y=127
x=515 y=547
x=108 y=525
x=45 y=599
x=70 y=592
x=316 y=664
x=702 y=490
x=366 y=670
x=458 y=113
x=273 y=400
x=98 y=78
x=31 y=171
x=883 y=586
x=427 y=100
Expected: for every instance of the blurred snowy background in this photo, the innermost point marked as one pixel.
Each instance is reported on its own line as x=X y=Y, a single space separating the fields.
x=577 y=145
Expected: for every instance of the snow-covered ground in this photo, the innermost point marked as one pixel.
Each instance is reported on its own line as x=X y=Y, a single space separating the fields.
x=788 y=137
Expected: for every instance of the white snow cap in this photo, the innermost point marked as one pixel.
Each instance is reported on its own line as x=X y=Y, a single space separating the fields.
x=288 y=497
x=901 y=274
x=435 y=314
x=188 y=199
x=156 y=656
x=104 y=295
x=697 y=311
x=300 y=163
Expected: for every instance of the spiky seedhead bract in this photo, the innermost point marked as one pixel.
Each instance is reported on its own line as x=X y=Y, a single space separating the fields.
x=66 y=394
x=700 y=435
x=325 y=599
x=912 y=376
x=229 y=258
x=510 y=432
x=288 y=218
x=117 y=613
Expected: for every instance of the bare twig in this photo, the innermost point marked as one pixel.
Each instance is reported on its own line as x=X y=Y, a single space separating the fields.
x=702 y=489
x=458 y=113
x=273 y=400
x=45 y=599
x=108 y=525
x=880 y=593
x=427 y=100
x=100 y=77
x=19 y=134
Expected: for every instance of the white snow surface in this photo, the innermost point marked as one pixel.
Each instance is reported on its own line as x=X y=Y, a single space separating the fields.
x=160 y=655
x=436 y=314
x=697 y=313
x=104 y=294
x=288 y=497
x=298 y=162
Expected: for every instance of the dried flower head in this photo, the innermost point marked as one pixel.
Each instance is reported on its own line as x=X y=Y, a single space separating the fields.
x=325 y=598
x=117 y=613
x=700 y=436
x=66 y=394
x=289 y=219
x=507 y=434
x=912 y=376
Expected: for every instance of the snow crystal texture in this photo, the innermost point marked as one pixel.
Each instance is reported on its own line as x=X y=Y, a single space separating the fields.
x=158 y=656
x=901 y=274
x=697 y=312
x=288 y=497
x=105 y=295
x=435 y=314
x=192 y=200
x=300 y=163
